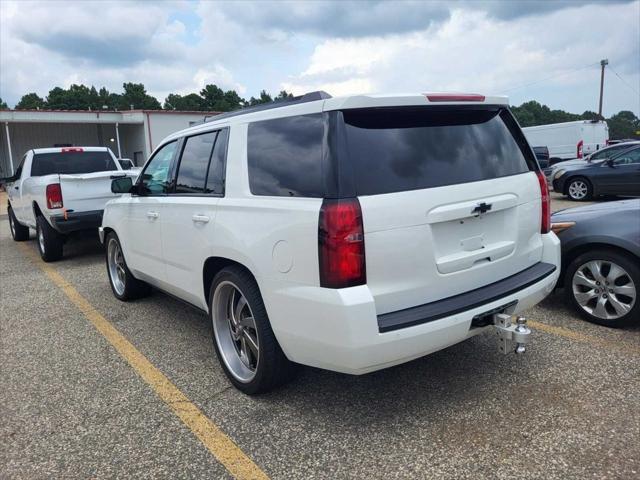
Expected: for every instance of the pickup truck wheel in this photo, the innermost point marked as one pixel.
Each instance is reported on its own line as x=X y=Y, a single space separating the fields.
x=242 y=336
x=19 y=232
x=123 y=284
x=604 y=287
x=49 y=241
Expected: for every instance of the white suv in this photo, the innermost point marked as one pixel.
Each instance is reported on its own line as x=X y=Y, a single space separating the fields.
x=349 y=234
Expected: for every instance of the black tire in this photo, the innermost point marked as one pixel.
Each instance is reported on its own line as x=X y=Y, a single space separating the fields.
x=132 y=287
x=629 y=264
x=49 y=241
x=273 y=368
x=579 y=181
x=19 y=232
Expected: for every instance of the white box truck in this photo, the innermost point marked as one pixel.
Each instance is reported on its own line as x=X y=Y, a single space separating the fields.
x=569 y=140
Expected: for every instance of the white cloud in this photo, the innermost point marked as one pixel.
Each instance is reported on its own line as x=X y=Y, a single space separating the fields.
x=339 y=47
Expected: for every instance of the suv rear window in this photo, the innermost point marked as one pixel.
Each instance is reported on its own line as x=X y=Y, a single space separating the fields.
x=285 y=156
x=399 y=149
x=71 y=163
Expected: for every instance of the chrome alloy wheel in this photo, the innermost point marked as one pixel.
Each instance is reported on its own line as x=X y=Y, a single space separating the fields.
x=578 y=190
x=604 y=289
x=115 y=262
x=235 y=331
x=12 y=227
x=41 y=240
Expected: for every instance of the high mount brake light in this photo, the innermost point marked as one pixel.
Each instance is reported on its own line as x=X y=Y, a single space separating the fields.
x=54 y=196
x=341 y=244
x=545 y=200
x=71 y=150
x=455 y=97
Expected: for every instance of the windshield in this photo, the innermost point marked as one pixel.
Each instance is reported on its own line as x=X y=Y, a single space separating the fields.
x=71 y=163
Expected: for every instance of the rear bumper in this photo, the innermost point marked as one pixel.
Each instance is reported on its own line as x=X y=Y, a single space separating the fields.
x=76 y=221
x=339 y=330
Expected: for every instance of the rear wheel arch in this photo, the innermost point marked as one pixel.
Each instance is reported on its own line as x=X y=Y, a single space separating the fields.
x=213 y=265
x=36 y=210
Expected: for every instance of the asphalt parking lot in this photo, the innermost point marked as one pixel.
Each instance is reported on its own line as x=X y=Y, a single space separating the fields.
x=77 y=400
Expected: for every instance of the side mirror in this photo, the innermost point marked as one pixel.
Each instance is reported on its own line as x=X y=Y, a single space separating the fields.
x=121 y=185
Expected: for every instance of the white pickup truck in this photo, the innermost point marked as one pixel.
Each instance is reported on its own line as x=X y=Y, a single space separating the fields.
x=58 y=191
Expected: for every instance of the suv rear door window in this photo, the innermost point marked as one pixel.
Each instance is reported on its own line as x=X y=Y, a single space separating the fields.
x=73 y=162
x=399 y=149
x=192 y=171
x=215 y=177
x=285 y=156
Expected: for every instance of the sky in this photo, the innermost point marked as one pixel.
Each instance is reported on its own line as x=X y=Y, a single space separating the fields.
x=529 y=50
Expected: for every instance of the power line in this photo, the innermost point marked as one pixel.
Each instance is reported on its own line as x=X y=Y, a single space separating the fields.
x=552 y=77
x=624 y=81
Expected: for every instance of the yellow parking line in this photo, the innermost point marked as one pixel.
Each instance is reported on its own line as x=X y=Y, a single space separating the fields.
x=219 y=444
x=581 y=337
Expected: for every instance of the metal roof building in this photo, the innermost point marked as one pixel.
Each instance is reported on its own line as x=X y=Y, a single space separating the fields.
x=130 y=134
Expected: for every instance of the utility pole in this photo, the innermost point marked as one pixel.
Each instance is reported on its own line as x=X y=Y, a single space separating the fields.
x=602 y=64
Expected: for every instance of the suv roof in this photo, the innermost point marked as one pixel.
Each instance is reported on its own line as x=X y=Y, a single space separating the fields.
x=321 y=101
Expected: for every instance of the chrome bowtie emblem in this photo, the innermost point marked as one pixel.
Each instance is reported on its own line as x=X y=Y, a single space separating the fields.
x=481 y=208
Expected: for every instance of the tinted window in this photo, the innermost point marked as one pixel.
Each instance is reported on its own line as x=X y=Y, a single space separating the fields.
x=72 y=162
x=285 y=156
x=607 y=152
x=155 y=178
x=631 y=156
x=402 y=149
x=192 y=172
x=215 y=178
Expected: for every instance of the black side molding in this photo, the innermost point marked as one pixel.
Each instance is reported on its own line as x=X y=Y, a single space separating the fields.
x=464 y=301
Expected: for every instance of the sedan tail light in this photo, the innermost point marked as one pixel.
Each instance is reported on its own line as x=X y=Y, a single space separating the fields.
x=54 y=196
x=341 y=244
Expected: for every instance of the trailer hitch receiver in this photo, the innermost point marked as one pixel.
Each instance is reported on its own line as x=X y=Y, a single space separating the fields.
x=511 y=337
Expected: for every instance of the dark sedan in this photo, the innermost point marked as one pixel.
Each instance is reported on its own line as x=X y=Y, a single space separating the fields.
x=601 y=260
x=618 y=175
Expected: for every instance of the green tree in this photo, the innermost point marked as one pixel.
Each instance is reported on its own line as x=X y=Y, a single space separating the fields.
x=217 y=100
x=30 y=101
x=533 y=113
x=624 y=124
x=76 y=97
x=3 y=104
x=263 y=98
x=283 y=95
x=190 y=102
x=135 y=96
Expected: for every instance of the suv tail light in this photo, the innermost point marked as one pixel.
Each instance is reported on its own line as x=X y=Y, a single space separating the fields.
x=545 y=226
x=54 y=196
x=341 y=244
x=579 y=149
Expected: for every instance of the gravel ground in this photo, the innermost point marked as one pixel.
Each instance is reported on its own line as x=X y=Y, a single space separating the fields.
x=72 y=407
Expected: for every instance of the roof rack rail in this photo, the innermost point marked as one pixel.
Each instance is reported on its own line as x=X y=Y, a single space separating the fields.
x=307 y=97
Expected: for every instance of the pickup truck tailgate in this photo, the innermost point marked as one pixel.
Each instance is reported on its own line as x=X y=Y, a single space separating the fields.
x=89 y=191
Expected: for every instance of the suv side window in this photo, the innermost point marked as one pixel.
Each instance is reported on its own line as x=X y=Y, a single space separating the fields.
x=284 y=156
x=155 y=178
x=194 y=162
x=216 y=174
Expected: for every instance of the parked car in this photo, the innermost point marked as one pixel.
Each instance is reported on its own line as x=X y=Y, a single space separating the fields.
x=569 y=140
x=58 y=191
x=349 y=234
x=542 y=155
x=599 y=156
x=617 y=175
x=601 y=260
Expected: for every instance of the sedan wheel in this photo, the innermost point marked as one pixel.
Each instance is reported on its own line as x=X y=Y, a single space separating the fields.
x=579 y=189
x=604 y=289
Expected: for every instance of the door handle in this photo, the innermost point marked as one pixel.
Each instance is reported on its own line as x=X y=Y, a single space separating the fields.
x=17 y=187
x=152 y=214
x=200 y=218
